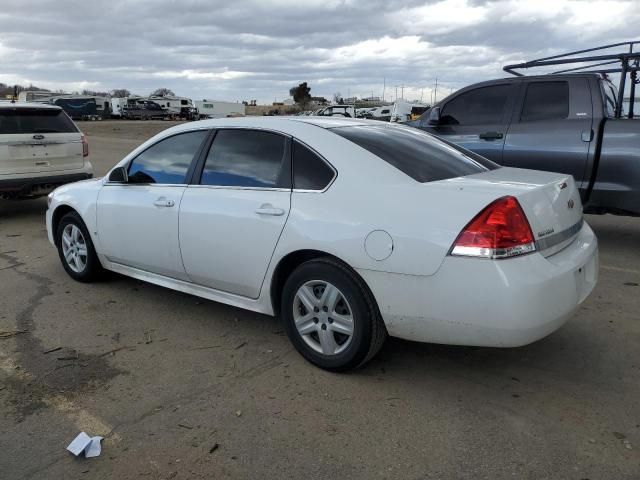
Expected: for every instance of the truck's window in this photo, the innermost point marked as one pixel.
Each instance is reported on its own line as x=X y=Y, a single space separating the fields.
x=545 y=101
x=481 y=106
x=417 y=154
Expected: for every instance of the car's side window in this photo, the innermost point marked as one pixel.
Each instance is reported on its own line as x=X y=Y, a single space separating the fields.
x=481 y=106
x=247 y=158
x=545 y=101
x=167 y=161
x=310 y=172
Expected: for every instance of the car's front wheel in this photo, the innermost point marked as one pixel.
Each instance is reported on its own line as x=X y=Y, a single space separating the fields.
x=330 y=316
x=76 y=250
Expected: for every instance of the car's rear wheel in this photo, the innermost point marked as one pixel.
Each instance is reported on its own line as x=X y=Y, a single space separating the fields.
x=76 y=250
x=330 y=316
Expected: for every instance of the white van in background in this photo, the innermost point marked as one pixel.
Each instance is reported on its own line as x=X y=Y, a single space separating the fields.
x=403 y=111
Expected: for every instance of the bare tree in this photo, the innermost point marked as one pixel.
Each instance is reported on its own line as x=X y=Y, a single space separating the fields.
x=120 y=93
x=163 y=92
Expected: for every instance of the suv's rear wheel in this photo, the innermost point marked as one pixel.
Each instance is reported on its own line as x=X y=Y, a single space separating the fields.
x=76 y=250
x=330 y=316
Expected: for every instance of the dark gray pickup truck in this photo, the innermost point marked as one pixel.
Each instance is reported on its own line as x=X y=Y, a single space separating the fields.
x=568 y=123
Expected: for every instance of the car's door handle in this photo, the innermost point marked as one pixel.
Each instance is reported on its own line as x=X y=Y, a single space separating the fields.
x=163 y=202
x=268 y=209
x=490 y=136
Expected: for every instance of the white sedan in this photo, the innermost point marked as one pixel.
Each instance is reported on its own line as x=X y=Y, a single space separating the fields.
x=348 y=230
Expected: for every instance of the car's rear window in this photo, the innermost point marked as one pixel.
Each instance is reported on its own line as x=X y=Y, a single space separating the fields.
x=35 y=120
x=416 y=153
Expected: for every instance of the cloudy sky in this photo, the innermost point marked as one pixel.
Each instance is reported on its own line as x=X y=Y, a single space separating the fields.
x=242 y=50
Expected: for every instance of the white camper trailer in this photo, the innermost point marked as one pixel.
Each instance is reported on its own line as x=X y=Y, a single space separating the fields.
x=217 y=109
x=35 y=96
x=176 y=106
x=117 y=106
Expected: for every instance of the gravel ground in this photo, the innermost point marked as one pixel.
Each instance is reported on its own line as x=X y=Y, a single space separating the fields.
x=186 y=388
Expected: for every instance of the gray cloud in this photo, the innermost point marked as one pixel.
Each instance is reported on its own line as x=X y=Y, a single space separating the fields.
x=258 y=49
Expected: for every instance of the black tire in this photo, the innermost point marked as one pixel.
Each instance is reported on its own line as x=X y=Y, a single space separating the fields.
x=369 y=332
x=92 y=270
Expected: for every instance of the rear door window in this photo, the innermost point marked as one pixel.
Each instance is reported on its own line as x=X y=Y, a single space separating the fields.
x=35 y=120
x=481 y=106
x=168 y=161
x=545 y=101
x=310 y=172
x=414 y=152
x=247 y=158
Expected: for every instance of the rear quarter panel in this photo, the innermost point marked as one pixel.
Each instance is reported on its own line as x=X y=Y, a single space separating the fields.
x=368 y=194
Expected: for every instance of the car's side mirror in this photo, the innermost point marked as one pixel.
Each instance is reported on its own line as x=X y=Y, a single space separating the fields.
x=119 y=175
x=434 y=116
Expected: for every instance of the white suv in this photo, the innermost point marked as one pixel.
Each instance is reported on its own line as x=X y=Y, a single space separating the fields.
x=40 y=149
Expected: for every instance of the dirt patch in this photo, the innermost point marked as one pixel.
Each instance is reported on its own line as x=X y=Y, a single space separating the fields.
x=41 y=373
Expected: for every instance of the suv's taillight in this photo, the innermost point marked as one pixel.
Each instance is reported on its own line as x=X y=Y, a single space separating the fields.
x=85 y=146
x=501 y=230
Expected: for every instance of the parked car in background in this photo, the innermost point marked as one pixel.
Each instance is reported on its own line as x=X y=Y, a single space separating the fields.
x=347 y=229
x=144 y=110
x=40 y=149
x=348 y=111
x=380 y=113
x=571 y=123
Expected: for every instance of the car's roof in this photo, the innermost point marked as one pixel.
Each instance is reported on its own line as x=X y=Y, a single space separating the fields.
x=32 y=105
x=283 y=122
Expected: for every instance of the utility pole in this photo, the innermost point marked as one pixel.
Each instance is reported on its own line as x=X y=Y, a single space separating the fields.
x=435 y=92
x=421 y=94
x=402 y=90
x=396 y=92
x=384 y=86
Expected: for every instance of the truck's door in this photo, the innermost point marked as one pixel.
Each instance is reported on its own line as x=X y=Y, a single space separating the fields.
x=552 y=128
x=477 y=118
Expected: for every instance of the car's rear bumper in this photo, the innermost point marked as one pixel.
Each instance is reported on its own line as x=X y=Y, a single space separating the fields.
x=496 y=303
x=39 y=184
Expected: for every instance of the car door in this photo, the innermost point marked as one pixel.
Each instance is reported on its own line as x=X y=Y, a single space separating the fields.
x=232 y=216
x=553 y=128
x=477 y=119
x=138 y=220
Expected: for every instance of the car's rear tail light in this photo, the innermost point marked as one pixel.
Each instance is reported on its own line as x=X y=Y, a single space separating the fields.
x=85 y=146
x=501 y=230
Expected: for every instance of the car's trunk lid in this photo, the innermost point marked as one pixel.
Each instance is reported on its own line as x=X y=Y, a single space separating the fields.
x=550 y=201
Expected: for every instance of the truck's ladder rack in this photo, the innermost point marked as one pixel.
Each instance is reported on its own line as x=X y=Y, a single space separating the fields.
x=625 y=62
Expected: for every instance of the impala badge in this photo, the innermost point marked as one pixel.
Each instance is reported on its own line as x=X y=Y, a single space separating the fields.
x=546 y=232
x=38 y=137
x=570 y=204
x=563 y=185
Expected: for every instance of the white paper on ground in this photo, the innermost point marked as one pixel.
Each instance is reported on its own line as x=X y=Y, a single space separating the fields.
x=79 y=443
x=93 y=449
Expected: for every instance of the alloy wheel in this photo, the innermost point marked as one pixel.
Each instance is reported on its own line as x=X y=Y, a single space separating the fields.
x=74 y=248
x=323 y=317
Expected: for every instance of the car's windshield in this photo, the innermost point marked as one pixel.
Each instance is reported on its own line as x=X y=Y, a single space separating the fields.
x=35 y=120
x=416 y=153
